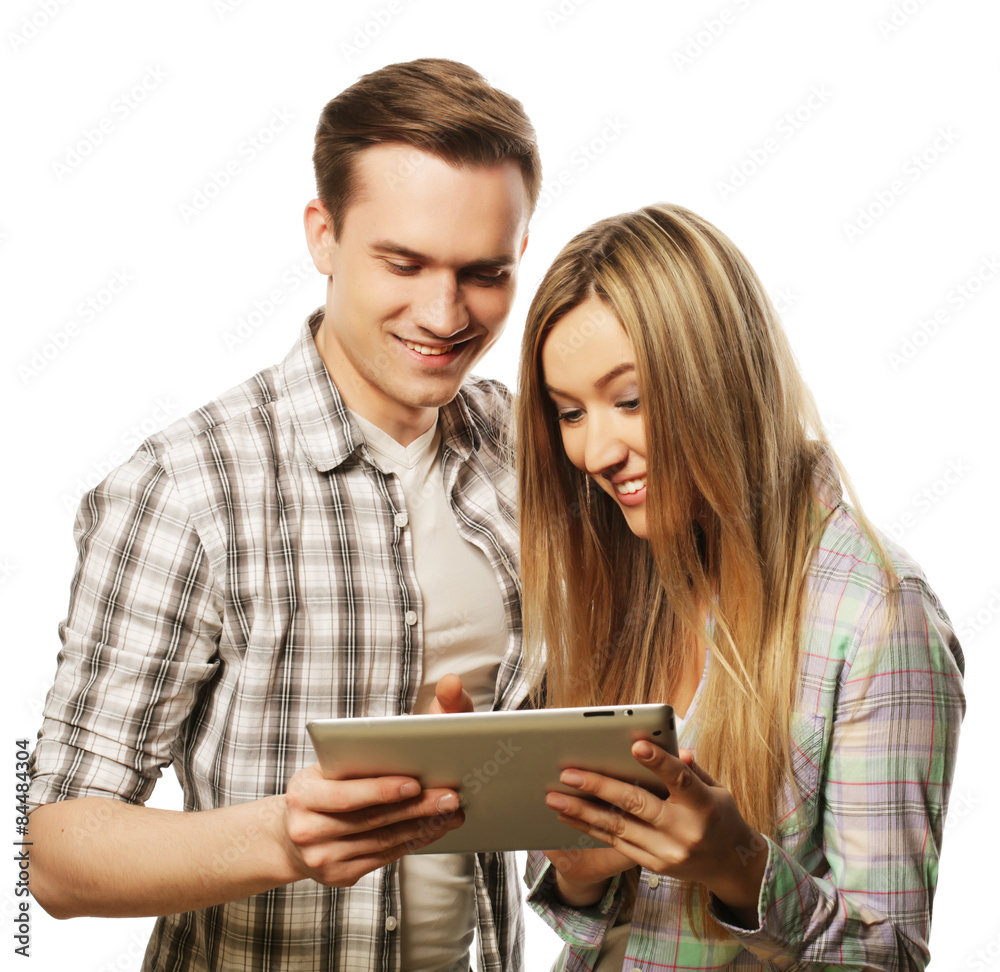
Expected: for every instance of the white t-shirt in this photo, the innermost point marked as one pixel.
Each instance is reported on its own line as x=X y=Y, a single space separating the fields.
x=464 y=631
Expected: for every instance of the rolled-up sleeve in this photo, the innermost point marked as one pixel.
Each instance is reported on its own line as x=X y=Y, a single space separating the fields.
x=139 y=641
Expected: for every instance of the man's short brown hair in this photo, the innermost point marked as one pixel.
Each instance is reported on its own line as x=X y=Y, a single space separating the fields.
x=441 y=107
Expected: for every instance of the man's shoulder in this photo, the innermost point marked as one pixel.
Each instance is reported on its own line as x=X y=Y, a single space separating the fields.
x=488 y=403
x=230 y=415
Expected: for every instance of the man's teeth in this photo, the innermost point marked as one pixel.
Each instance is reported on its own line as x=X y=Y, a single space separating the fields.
x=631 y=485
x=423 y=349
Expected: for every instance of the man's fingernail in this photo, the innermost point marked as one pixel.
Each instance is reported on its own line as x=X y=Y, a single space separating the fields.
x=408 y=790
x=643 y=750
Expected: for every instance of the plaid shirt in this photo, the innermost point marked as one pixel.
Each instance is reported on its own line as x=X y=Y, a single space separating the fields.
x=852 y=869
x=249 y=569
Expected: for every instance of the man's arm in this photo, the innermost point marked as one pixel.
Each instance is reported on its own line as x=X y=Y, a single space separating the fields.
x=138 y=645
x=103 y=857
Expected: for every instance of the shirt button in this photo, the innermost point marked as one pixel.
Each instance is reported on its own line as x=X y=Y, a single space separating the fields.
x=401 y=519
x=410 y=617
x=654 y=881
x=390 y=923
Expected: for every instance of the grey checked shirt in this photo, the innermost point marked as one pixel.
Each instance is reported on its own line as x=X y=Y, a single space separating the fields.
x=248 y=569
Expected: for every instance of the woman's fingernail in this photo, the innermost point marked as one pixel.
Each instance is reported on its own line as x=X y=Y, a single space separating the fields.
x=643 y=750
x=557 y=801
x=408 y=790
x=571 y=778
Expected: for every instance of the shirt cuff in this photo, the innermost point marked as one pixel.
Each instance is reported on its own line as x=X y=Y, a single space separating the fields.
x=788 y=894
x=579 y=927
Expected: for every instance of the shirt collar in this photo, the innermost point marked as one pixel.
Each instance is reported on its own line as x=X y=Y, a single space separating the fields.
x=322 y=420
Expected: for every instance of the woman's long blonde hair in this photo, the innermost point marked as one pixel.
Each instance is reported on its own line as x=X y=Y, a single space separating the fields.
x=732 y=437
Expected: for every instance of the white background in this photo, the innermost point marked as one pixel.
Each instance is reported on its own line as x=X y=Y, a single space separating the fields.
x=880 y=115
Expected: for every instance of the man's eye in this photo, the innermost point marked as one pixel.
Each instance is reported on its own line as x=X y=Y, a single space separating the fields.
x=489 y=279
x=405 y=269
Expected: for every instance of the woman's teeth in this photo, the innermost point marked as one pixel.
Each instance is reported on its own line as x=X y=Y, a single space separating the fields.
x=631 y=485
x=423 y=349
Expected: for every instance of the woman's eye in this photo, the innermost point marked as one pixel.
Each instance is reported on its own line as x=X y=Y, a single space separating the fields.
x=569 y=416
x=629 y=405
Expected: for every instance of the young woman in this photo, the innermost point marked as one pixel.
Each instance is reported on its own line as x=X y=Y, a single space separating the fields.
x=684 y=539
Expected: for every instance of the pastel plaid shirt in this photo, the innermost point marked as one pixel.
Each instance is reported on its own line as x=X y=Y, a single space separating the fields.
x=851 y=873
x=249 y=569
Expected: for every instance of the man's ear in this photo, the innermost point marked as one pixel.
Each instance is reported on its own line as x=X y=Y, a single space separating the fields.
x=319 y=235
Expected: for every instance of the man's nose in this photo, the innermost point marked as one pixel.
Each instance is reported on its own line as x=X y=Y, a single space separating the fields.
x=443 y=312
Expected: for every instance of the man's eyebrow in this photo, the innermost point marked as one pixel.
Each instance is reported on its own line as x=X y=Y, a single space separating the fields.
x=623 y=368
x=389 y=246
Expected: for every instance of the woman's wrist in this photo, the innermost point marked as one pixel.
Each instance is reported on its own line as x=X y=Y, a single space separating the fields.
x=739 y=890
x=580 y=895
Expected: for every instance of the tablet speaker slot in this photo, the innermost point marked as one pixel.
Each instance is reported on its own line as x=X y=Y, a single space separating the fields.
x=599 y=712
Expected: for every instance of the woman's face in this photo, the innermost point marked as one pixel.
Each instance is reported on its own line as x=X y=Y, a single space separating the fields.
x=589 y=373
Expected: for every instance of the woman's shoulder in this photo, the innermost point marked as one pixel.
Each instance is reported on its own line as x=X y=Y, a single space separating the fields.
x=859 y=595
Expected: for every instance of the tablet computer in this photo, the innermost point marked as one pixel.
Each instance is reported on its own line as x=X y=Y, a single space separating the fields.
x=501 y=763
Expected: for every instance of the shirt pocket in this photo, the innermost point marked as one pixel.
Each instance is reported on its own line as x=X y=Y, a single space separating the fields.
x=800 y=798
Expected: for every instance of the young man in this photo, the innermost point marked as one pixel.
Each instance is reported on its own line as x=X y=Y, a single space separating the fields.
x=330 y=538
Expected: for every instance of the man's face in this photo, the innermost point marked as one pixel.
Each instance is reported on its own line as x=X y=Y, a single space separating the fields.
x=421 y=281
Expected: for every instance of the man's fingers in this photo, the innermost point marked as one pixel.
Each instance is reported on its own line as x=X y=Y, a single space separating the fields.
x=449 y=696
